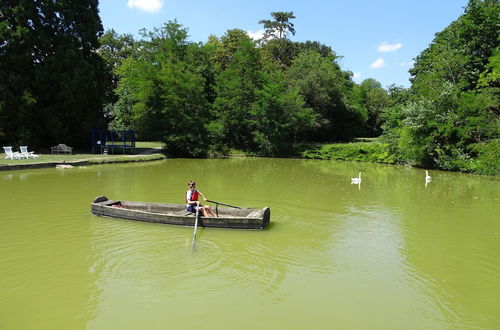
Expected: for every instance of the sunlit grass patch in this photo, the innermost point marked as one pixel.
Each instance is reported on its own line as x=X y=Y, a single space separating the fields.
x=111 y=157
x=125 y=159
x=149 y=144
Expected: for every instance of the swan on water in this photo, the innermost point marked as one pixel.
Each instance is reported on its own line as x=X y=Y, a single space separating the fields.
x=428 y=178
x=356 y=180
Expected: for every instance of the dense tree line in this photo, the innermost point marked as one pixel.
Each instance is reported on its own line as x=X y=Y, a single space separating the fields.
x=60 y=76
x=233 y=92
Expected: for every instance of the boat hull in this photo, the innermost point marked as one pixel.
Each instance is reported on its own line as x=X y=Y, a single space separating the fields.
x=176 y=214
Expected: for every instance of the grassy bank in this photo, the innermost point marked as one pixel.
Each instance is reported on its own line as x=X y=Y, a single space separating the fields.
x=145 y=151
x=53 y=160
x=125 y=159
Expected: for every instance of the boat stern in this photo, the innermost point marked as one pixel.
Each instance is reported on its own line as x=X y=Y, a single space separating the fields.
x=266 y=217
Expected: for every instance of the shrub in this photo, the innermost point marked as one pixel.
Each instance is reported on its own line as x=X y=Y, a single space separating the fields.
x=360 y=151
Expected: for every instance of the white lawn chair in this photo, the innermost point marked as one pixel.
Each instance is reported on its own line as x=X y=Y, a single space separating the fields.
x=9 y=154
x=26 y=153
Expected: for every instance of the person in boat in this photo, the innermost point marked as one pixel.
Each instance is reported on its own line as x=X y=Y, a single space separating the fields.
x=192 y=202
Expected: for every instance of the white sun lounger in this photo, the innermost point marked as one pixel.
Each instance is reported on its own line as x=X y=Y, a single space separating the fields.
x=26 y=153
x=9 y=154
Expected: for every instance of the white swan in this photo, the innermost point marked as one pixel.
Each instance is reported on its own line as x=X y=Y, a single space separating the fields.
x=428 y=178
x=356 y=180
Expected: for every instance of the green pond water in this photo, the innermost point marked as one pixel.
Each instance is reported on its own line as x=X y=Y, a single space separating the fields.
x=391 y=253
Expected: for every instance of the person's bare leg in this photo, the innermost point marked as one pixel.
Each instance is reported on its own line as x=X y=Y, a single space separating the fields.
x=207 y=212
x=209 y=209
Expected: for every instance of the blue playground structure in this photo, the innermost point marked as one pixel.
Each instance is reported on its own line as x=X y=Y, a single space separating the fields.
x=107 y=141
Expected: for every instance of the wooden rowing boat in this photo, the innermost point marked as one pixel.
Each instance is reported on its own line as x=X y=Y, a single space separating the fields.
x=176 y=214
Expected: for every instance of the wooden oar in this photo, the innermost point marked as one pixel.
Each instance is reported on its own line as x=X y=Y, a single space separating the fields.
x=219 y=203
x=196 y=223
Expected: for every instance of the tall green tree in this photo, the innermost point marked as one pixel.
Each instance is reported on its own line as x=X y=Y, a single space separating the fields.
x=329 y=92
x=275 y=42
x=114 y=49
x=166 y=91
x=375 y=99
x=279 y=26
x=278 y=116
x=52 y=82
x=228 y=45
x=236 y=88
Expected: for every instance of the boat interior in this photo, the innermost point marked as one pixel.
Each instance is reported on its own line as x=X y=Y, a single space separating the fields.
x=180 y=209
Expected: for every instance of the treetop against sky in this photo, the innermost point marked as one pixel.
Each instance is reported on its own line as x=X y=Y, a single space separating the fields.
x=377 y=39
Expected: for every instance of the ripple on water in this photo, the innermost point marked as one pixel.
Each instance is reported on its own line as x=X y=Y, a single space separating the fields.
x=148 y=253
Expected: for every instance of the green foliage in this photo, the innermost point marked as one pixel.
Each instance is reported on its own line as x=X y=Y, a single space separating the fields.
x=163 y=93
x=375 y=100
x=228 y=45
x=460 y=52
x=122 y=109
x=450 y=116
x=491 y=75
x=322 y=49
x=195 y=98
x=278 y=53
x=360 y=151
x=278 y=116
x=60 y=76
x=398 y=94
x=115 y=49
x=236 y=89
x=52 y=82
x=328 y=91
x=487 y=157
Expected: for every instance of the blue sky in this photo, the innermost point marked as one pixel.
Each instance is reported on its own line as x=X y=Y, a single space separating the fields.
x=377 y=39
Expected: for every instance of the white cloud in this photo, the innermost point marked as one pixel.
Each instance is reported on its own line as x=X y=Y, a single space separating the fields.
x=256 y=35
x=356 y=75
x=150 y=6
x=386 y=47
x=378 y=63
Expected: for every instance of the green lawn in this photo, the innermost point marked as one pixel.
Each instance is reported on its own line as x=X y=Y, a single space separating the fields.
x=44 y=158
x=93 y=158
x=148 y=145
x=47 y=158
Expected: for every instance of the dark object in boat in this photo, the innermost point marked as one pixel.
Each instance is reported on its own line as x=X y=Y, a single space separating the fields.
x=176 y=214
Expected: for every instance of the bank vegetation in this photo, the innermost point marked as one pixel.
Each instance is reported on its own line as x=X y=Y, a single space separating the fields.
x=61 y=75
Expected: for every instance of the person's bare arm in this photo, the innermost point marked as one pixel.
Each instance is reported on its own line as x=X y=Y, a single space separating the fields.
x=202 y=195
